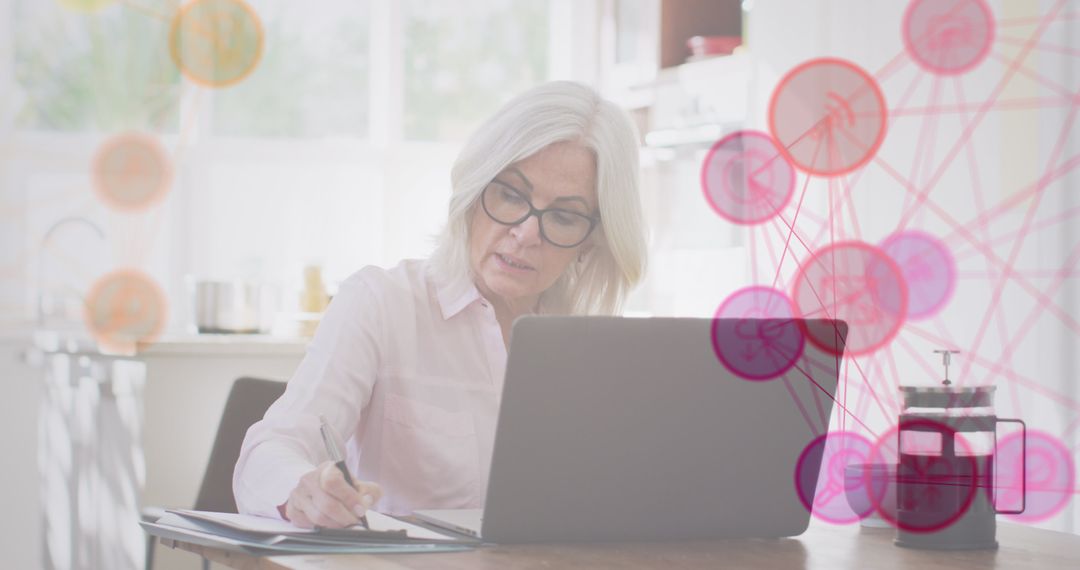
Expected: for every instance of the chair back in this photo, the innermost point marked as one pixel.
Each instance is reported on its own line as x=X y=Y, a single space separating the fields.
x=248 y=401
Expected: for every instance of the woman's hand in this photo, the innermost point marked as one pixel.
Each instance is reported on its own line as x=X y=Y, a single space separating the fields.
x=323 y=498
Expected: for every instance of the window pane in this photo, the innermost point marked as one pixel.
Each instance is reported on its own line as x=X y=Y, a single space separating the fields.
x=312 y=79
x=465 y=58
x=84 y=69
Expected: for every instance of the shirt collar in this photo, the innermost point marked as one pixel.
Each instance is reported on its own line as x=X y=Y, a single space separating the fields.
x=454 y=294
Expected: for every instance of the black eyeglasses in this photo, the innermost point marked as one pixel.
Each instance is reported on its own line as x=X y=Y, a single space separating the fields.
x=559 y=227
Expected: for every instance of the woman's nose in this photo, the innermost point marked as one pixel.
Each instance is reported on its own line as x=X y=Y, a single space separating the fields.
x=527 y=232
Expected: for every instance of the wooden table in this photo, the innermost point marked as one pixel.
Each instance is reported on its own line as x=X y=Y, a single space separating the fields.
x=821 y=547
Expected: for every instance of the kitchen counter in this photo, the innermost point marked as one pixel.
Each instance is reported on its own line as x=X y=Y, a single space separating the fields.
x=79 y=343
x=226 y=345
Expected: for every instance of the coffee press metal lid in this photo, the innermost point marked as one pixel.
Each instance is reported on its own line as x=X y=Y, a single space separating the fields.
x=946 y=395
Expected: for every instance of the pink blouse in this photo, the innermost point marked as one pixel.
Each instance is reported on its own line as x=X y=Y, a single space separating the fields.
x=408 y=368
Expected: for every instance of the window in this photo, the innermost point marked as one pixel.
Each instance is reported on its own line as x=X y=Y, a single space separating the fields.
x=86 y=70
x=312 y=79
x=463 y=59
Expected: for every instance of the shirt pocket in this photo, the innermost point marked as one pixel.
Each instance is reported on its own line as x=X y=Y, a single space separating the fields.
x=432 y=453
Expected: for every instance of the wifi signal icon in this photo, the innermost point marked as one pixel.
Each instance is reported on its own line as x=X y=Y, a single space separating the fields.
x=838 y=110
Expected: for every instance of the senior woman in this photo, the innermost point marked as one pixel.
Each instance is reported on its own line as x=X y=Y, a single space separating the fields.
x=408 y=362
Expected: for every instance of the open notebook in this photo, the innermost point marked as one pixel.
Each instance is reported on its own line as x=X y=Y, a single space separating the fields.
x=260 y=535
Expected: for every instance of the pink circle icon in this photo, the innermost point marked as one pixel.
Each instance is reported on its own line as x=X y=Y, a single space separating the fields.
x=746 y=179
x=937 y=476
x=857 y=283
x=828 y=116
x=1051 y=476
x=948 y=37
x=821 y=478
x=928 y=269
x=764 y=341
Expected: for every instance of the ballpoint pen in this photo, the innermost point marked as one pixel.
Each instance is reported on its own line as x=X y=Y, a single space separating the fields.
x=334 y=451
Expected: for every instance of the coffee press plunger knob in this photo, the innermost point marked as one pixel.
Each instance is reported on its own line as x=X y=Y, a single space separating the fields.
x=946 y=358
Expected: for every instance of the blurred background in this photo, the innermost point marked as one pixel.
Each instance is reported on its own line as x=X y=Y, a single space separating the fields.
x=225 y=164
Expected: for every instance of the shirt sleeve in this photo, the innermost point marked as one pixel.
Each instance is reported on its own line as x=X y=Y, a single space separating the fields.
x=335 y=380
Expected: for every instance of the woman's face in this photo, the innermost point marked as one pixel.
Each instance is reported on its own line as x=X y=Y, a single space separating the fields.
x=514 y=264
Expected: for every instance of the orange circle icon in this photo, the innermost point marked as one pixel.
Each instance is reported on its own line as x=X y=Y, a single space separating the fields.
x=216 y=43
x=125 y=308
x=132 y=172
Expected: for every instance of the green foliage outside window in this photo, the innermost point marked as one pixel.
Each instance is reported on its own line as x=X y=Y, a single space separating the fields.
x=465 y=58
x=85 y=71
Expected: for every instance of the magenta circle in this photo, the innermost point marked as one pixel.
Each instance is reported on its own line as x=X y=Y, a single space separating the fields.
x=823 y=486
x=928 y=269
x=828 y=116
x=854 y=282
x=764 y=341
x=922 y=471
x=1051 y=475
x=746 y=179
x=948 y=37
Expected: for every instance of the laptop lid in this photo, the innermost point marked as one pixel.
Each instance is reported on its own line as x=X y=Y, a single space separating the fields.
x=632 y=429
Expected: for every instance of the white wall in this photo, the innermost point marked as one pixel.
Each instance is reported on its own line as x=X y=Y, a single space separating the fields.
x=20 y=538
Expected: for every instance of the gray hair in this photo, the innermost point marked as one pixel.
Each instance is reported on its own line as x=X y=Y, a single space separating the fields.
x=549 y=113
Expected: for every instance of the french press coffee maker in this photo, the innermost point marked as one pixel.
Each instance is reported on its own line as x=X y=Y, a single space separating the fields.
x=945 y=482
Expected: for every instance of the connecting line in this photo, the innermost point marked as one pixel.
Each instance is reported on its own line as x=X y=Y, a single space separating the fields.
x=1033 y=316
x=1036 y=187
x=787 y=242
x=753 y=256
x=810 y=365
x=1038 y=78
x=836 y=204
x=1067 y=319
x=917 y=357
x=854 y=362
x=980 y=114
x=1054 y=48
x=1065 y=216
x=1011 y=375
x=865 y=380
x=802 y=409
x=895 y=373
x=980 y=210
x=995 y=298
x=768 y=243
x=964 y=108
x=147 y=11
x=830 y=396
x=893 y=113
x=1032 y=20
x=929 y=135
x=847 y=195
x=836 y=331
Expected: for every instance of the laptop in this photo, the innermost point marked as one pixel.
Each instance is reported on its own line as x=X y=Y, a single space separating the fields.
x=628 y=429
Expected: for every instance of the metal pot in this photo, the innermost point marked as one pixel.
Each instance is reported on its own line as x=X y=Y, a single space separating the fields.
x=231 y=306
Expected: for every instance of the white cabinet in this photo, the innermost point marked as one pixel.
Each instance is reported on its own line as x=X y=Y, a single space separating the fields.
x=90 y=461
x=20 y=534
x=120 y=433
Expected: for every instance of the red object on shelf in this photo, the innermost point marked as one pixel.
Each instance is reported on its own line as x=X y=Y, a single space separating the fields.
x=713 y=45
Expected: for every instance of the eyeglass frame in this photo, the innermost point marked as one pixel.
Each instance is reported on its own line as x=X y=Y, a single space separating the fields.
x=534 y=211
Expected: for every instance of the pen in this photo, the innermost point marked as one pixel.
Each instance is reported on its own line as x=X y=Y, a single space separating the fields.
x=334 y=451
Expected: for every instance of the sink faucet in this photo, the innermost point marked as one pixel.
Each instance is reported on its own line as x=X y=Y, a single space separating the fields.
x=41 y=262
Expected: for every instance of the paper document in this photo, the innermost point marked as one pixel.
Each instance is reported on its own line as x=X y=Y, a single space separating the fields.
x=261 y=536
x=377 y=522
